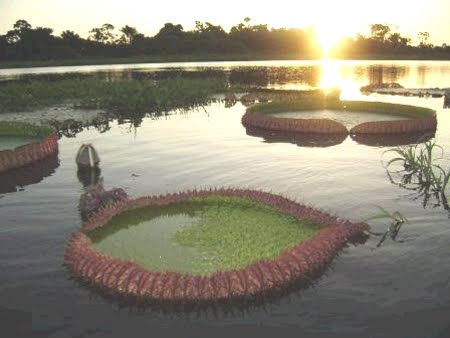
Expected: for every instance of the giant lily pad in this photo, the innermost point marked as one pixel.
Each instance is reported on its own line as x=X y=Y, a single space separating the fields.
x=205 y=245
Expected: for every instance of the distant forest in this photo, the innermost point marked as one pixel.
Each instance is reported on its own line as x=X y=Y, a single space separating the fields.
x=25 y=43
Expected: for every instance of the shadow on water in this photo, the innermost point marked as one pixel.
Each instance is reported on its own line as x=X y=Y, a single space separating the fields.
x=329 y=140
x=14 y=180
x=392 y=140
x=300 y=139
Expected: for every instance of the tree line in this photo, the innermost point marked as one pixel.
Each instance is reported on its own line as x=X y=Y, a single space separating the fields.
x=383 y=40
x=23 y=42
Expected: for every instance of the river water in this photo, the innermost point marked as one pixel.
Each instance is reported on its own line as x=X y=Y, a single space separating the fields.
x=395 y=290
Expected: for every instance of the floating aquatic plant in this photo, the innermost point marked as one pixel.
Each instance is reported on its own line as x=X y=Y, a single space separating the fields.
x=126 y=278
x=419 y=119
x=123 y=96
x=95 y=197
x=46 y=144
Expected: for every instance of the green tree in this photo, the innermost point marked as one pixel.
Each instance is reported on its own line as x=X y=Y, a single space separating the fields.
x=20 y=28
x=70 y=36
x=424 y=40
x=103 y=34
x=170 y=38
x=396 y=40
x=128 y=34
x=3 y=46
x=379 y=32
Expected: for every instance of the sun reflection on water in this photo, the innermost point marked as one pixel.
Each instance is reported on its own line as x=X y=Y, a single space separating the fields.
x=333 y=75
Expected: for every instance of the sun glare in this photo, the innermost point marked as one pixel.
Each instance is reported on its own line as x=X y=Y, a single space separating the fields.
x=328 y=35
x=333 y=75
x=330 y=29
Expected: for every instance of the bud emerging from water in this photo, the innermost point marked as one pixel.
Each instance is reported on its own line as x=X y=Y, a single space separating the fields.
x=87 y=156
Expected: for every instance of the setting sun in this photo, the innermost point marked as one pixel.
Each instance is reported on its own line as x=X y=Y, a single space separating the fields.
x=328 y=36
x=331 y=28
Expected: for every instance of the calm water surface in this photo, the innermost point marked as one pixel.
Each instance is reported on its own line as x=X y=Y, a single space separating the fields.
x=397 y=290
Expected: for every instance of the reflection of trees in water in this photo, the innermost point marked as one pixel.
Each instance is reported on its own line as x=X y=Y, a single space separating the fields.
x=379 y=74
x=360 y=72
x=71 y=128
x=264 y=76
x=421 y=75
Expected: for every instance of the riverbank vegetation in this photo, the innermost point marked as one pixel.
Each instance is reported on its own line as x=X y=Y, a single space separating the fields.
x=384 y=43
x=25 y=46
x=421 y=169
x=131 y=98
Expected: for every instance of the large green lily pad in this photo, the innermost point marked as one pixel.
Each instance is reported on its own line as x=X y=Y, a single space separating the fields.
x=201 y=235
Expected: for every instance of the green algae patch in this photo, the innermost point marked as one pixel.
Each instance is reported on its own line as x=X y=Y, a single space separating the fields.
x=201 y=235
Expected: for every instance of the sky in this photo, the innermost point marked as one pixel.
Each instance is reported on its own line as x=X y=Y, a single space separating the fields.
x=332 y=18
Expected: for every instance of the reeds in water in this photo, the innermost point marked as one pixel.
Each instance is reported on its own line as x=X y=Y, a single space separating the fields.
x=422 y=170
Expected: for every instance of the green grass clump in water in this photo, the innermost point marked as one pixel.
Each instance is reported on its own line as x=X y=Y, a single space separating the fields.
x=201 y=235
x=423 y=171
x=124 y=95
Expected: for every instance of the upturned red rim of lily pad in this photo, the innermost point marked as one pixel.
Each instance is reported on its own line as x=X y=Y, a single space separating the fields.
x=31 y=152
